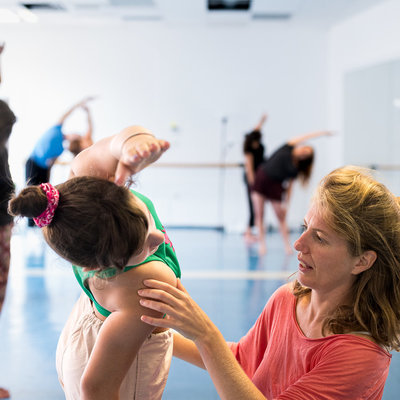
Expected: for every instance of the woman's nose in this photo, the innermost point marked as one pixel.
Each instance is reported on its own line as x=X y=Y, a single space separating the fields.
x=301 y=244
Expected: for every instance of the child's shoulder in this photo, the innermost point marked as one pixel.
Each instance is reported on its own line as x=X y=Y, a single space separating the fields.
x=121 y=290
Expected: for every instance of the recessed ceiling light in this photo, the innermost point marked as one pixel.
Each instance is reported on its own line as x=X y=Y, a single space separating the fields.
x=8 y=17
x=27 y=16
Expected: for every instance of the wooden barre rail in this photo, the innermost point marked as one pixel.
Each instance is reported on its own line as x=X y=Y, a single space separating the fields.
x=182 y=165
x=378 y=167
x=198 y=165
x=384 y=167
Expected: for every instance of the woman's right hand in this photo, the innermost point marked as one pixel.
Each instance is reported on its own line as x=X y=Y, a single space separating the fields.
x=181 y=312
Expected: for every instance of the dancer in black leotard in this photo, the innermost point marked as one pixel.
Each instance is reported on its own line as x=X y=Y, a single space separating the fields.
x=274 y=179
x=253 y=156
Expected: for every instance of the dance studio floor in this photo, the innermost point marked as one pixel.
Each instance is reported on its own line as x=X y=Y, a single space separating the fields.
x=222 y=274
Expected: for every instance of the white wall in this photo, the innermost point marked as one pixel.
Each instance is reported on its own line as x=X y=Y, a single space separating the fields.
x=159 y=76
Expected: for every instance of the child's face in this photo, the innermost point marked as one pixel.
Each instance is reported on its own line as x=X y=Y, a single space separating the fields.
x=153 y=240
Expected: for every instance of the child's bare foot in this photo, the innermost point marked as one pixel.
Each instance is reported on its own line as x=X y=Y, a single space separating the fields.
x=4 y=394
x=138 y=151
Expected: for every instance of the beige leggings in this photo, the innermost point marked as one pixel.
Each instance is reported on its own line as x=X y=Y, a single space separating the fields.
x=147 y=375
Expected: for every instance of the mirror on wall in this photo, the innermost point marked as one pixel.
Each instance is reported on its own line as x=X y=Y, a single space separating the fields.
x=372 y=120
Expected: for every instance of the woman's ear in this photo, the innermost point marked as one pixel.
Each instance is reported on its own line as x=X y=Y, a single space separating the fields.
x=365 y=261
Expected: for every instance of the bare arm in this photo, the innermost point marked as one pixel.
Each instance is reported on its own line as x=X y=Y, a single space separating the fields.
x=81 y=103
x=186 y=350
x=260 y=124
x=120 y=156
x=311 y=135
x=112 y=355
x=87 y=139
x=122 y=333
x=186 y=317
x=249 y=167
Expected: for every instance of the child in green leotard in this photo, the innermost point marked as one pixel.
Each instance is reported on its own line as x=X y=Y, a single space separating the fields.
x=114 y=239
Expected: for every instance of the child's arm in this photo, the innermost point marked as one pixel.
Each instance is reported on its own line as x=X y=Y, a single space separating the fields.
x=120 y=156
x=122 y=333
x=186 y=350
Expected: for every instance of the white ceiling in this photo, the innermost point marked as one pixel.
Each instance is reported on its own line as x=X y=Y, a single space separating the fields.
x=321 y=12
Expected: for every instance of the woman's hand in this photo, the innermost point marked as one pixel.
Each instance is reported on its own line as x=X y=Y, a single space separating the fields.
x=186 y=317
x=181 y=311
x=138 y=152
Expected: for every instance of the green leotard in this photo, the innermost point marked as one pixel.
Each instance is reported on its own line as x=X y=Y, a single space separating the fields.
x=165 y=253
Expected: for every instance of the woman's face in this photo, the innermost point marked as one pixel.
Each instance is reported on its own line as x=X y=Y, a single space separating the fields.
x=303 y=152
x=325 y=263
x=154 y=237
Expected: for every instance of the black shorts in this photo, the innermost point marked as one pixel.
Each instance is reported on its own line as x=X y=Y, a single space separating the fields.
x=34 y=174
x=269 y=188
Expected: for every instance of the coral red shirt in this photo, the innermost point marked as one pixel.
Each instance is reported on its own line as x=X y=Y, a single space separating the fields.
x=284 y=364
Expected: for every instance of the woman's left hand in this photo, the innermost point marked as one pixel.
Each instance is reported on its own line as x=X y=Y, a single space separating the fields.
x=181 y=311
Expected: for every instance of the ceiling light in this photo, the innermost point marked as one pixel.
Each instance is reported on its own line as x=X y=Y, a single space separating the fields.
x=27 y=16
x=8 y=17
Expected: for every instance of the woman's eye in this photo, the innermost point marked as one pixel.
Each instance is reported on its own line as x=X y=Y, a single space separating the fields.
x=319 y=239
x=303 y=227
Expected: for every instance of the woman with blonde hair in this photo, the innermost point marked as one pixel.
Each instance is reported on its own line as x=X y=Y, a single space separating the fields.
x=328 y=334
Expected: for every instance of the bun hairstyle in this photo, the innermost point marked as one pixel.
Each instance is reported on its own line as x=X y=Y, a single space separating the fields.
x=96 y=224
x=31 y=202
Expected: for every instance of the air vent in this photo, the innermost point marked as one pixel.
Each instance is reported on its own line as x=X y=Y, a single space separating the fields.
x=43 y=6
x=143 y=18
x=132 y=3
x=229 y=5
x=271 y=16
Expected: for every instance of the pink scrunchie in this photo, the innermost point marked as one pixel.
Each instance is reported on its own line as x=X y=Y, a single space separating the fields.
x=47 y=215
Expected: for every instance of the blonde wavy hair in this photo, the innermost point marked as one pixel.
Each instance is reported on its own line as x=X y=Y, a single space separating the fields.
x=367 y=215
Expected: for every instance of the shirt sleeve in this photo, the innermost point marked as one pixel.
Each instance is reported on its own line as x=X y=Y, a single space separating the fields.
x=353 y=368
